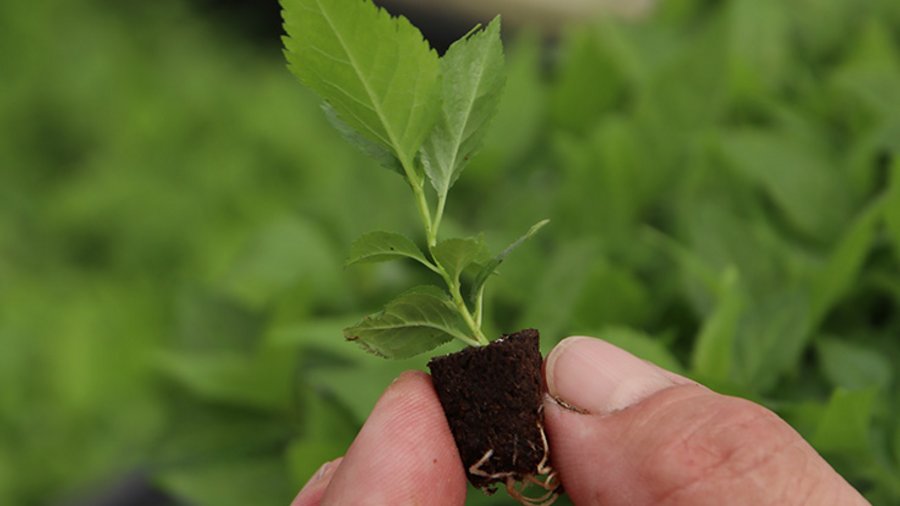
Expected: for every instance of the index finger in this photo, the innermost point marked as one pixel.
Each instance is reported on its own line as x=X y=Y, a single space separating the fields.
x=404 y=454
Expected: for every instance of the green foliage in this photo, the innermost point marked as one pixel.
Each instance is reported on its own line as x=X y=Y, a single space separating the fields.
x=384 y=246
x=375 y=70
x=470 y=92
x=417 y=321
x=172 y=295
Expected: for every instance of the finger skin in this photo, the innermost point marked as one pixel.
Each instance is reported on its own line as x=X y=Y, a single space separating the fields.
x=404 y=454
x=686 y=445
x=311 y=493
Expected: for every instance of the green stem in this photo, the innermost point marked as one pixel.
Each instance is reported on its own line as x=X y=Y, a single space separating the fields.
x=467 y=316
x=479 y=306
x=421 y=202
x=431 y=233
x=438 y=215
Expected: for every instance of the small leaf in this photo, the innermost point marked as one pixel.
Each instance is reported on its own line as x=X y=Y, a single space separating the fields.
x=473 y=79
x=850 y=365
x=713 y=355
x=384 y=246
x=385 y=157
x=375 y=70
x=454 y=255
x=840 y=271
x=845 y=425
x=415 y=322
x=491 y=266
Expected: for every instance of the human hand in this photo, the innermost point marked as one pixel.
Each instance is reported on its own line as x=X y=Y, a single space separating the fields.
x=632 y=433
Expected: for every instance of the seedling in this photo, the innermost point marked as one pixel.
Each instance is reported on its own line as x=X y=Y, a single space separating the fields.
x=424 y=117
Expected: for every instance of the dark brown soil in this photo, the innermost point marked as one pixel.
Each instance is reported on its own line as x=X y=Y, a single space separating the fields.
x=492 y=398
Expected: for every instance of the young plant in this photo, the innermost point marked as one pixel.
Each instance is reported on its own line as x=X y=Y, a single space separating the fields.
x=424 y=117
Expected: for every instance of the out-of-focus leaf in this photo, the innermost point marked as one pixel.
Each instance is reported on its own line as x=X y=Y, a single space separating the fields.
x=415 y=322
x=803 y=182
x=641 y=345
x=892 y=206
x=231 y=483
x=261 y=381
x=852 y=366
x=358 y=388
x=714 y=349
x=327 y=432
x=759 y=46
x=472 y=82
x=383 y=246
x=375 y=70
x=455 y=255
x=326 y=334
x=552 y=297
x=842 y=266
x=772 y=335
x=897 y=443
x=845 y=427
x=491 y=265
x=592 y=77
x=287 y=254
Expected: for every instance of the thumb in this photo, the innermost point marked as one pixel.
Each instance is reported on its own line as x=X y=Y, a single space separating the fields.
x=623 y=431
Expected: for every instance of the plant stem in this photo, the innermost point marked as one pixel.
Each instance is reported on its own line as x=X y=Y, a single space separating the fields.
x=438 y=215
x=479 y=306
x=431 y=233
x=421 y=202
x=467 y=316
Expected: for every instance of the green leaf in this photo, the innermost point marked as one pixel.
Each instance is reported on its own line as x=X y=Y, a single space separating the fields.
x=845 y=425
x=375 y=70
x=491 y=266
x=771 y=337
x=383 y=246
x=454 y=255
x=713 y=355
x=473 y=78
x=374 y=150
x=840 y=270
x=852 y=366
x=415 y=322
x=892 y=206
x=236 y=482
x=897 y=443
x=758 y=45
x=259 y=381
x=641 y=345
x=801 y=179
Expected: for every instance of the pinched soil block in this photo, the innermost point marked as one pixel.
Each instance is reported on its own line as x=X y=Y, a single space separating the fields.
x=492 y=399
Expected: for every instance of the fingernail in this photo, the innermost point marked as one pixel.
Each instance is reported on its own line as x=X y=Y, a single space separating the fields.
x=321 y=472
x=594 y=376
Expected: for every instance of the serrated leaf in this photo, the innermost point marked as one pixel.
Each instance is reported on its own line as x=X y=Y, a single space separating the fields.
x=376 y=70
x=454 y=255
x=473 y=79
x=415 y=322
x=384 y=156
x=382 y=246
x=491 y=266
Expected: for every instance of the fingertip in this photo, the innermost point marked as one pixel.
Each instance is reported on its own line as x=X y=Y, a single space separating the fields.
x=404 y=453
x=598 y=377
x=311 y=493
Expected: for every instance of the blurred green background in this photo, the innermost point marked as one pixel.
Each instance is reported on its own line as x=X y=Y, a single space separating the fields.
x=723 y=179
